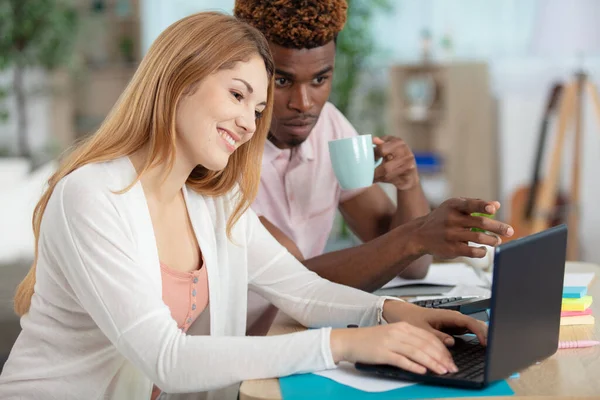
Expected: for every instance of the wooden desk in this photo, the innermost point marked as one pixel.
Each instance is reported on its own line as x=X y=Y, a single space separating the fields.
x=568 y=374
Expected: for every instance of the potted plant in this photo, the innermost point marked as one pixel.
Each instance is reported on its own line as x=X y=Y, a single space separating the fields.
x=355 y=45
x=34 y=34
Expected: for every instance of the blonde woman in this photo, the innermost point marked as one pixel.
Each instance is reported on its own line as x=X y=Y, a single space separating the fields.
x=144 y=235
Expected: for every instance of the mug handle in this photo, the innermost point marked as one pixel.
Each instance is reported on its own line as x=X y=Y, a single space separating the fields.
x=378 y=162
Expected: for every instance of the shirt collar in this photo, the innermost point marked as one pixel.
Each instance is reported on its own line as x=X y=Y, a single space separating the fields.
x=305 y=151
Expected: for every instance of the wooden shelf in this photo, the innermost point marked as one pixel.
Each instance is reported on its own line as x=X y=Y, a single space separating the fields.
x=459 y=124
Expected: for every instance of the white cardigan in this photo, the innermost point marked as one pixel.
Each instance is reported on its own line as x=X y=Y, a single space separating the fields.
x=98 y=327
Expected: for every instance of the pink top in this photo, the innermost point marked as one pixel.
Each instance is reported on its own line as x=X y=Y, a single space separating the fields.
x=300 y=194
x=186 y=295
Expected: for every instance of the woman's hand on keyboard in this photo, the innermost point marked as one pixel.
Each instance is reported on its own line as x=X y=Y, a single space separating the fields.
x=399 y=344
x=435 y=321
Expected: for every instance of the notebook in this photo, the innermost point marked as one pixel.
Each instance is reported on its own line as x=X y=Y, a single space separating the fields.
x=442 y=274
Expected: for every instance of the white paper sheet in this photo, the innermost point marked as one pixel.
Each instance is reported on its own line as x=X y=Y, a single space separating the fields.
x=578 y=279
x=447 y=274
x=347 y=375
x=489 y=276
x=468 y=291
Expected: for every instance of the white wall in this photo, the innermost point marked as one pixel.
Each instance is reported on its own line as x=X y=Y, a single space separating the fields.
x=480 y=29
x=156 y=15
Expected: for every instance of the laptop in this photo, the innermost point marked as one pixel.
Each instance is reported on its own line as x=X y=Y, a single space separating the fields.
x=524 y=315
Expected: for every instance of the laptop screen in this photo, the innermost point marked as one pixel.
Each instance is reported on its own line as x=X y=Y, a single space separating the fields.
x=526 y=302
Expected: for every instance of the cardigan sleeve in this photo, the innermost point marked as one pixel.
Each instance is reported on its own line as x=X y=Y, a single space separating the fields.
x=302 y=294
x=95 y=250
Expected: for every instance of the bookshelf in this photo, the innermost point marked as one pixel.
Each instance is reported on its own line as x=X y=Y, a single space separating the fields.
x=446 y=112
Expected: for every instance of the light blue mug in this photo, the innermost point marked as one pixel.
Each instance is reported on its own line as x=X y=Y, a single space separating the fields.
x=353 y=161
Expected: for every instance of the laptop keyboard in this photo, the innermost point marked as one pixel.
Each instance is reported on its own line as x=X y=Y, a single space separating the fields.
x=469 y=357
x=434 y=303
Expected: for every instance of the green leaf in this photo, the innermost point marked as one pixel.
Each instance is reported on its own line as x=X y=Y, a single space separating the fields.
x=38 y=33
x=35 y=33
x=353 y=48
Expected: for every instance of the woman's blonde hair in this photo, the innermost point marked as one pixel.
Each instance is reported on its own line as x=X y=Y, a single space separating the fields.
x=185 y=53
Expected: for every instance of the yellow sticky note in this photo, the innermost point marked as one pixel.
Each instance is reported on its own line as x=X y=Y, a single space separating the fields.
x=580 y=304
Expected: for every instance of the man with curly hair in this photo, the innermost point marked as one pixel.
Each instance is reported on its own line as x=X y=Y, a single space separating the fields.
x=299 y=193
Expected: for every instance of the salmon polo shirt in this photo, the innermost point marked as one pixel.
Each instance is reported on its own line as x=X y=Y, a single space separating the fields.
x=299 y=192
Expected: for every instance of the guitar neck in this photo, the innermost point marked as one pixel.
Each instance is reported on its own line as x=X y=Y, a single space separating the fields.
x=535 y=179
x=553 y=100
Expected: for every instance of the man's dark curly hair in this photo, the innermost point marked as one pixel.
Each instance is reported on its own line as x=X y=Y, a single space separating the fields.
x=296 y=24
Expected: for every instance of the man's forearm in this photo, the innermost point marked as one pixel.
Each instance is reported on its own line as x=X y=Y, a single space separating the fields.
x=370 y=265
x=412 y=204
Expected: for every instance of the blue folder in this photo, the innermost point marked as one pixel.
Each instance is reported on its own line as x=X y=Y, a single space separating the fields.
x=311 y=386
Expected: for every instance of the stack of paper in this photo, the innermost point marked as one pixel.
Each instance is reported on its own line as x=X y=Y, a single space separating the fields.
x=576 y=302
x=444 y=274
